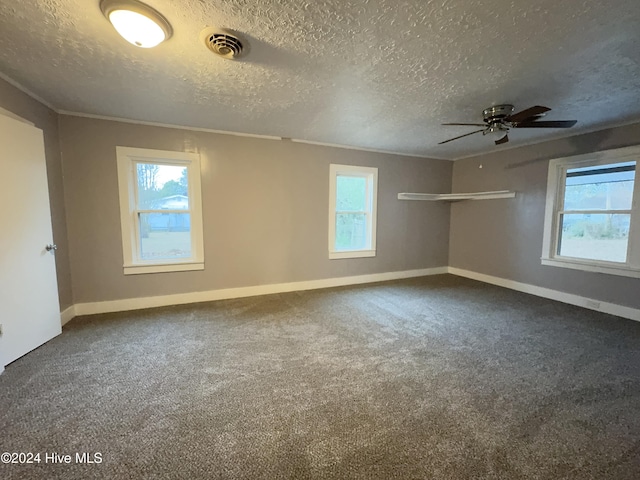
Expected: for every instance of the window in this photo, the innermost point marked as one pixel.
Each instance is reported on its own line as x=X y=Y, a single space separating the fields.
x=352 y=211
x=592 y=219
x=160 y=210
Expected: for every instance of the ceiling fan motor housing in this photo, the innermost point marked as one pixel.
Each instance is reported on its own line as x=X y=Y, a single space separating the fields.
x=496 y=129
x=497 y=113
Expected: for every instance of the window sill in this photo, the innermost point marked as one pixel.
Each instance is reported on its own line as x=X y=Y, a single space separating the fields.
x=351 y=254
x=592 y=267
x=162 y=268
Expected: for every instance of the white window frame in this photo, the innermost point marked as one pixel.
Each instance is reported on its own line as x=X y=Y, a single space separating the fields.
x=554 y=203
x=371 y=175
x=127 y=159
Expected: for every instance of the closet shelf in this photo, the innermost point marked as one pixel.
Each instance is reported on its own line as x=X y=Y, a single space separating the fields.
x=452 y=197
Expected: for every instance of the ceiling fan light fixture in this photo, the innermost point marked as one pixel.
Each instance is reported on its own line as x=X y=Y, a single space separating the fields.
x=136 y=22
x=496 y=131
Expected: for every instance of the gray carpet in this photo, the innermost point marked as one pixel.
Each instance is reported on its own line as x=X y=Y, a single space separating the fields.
x=438 y=377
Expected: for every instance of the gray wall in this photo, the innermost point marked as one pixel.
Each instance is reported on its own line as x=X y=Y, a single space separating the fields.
x=504 y=237
x=266 y=202
x=265 y=208
x=19 y=103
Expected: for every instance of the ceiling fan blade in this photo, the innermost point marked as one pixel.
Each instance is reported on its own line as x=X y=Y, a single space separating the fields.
x=465 y=135
x=548 y=124
x=467 y=124
x=504 y=139
x=527 y=114
x=533 y=118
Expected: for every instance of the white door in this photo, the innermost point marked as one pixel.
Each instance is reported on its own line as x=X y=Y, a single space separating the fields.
x=29 y=308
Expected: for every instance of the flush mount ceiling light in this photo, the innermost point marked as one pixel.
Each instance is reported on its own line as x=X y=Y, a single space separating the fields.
x=137 y=23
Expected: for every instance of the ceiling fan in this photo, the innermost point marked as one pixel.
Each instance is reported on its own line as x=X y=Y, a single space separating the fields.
x=500 y=118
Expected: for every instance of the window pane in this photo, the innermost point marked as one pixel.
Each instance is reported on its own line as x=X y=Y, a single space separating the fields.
x=165 y=235
x=162 y=186
x=351 y=231
x=605 y=187
x=596 y=236
x=351 y=193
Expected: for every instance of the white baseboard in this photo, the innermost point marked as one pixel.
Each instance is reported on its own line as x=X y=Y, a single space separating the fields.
x=228 y=293
x=67 y=315
x=590 y=303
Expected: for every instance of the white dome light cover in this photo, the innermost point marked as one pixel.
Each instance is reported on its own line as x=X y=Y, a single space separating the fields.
x=496 y=131
x=137 y=23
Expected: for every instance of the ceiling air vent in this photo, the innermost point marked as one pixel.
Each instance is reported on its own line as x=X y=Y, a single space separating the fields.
x=224 y=43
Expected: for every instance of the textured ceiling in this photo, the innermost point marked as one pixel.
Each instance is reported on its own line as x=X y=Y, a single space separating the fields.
x=377 y=74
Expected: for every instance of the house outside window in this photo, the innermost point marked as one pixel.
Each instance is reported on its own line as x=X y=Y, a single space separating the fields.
x=592 y=219
x=160 y=210
x=352 y=211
